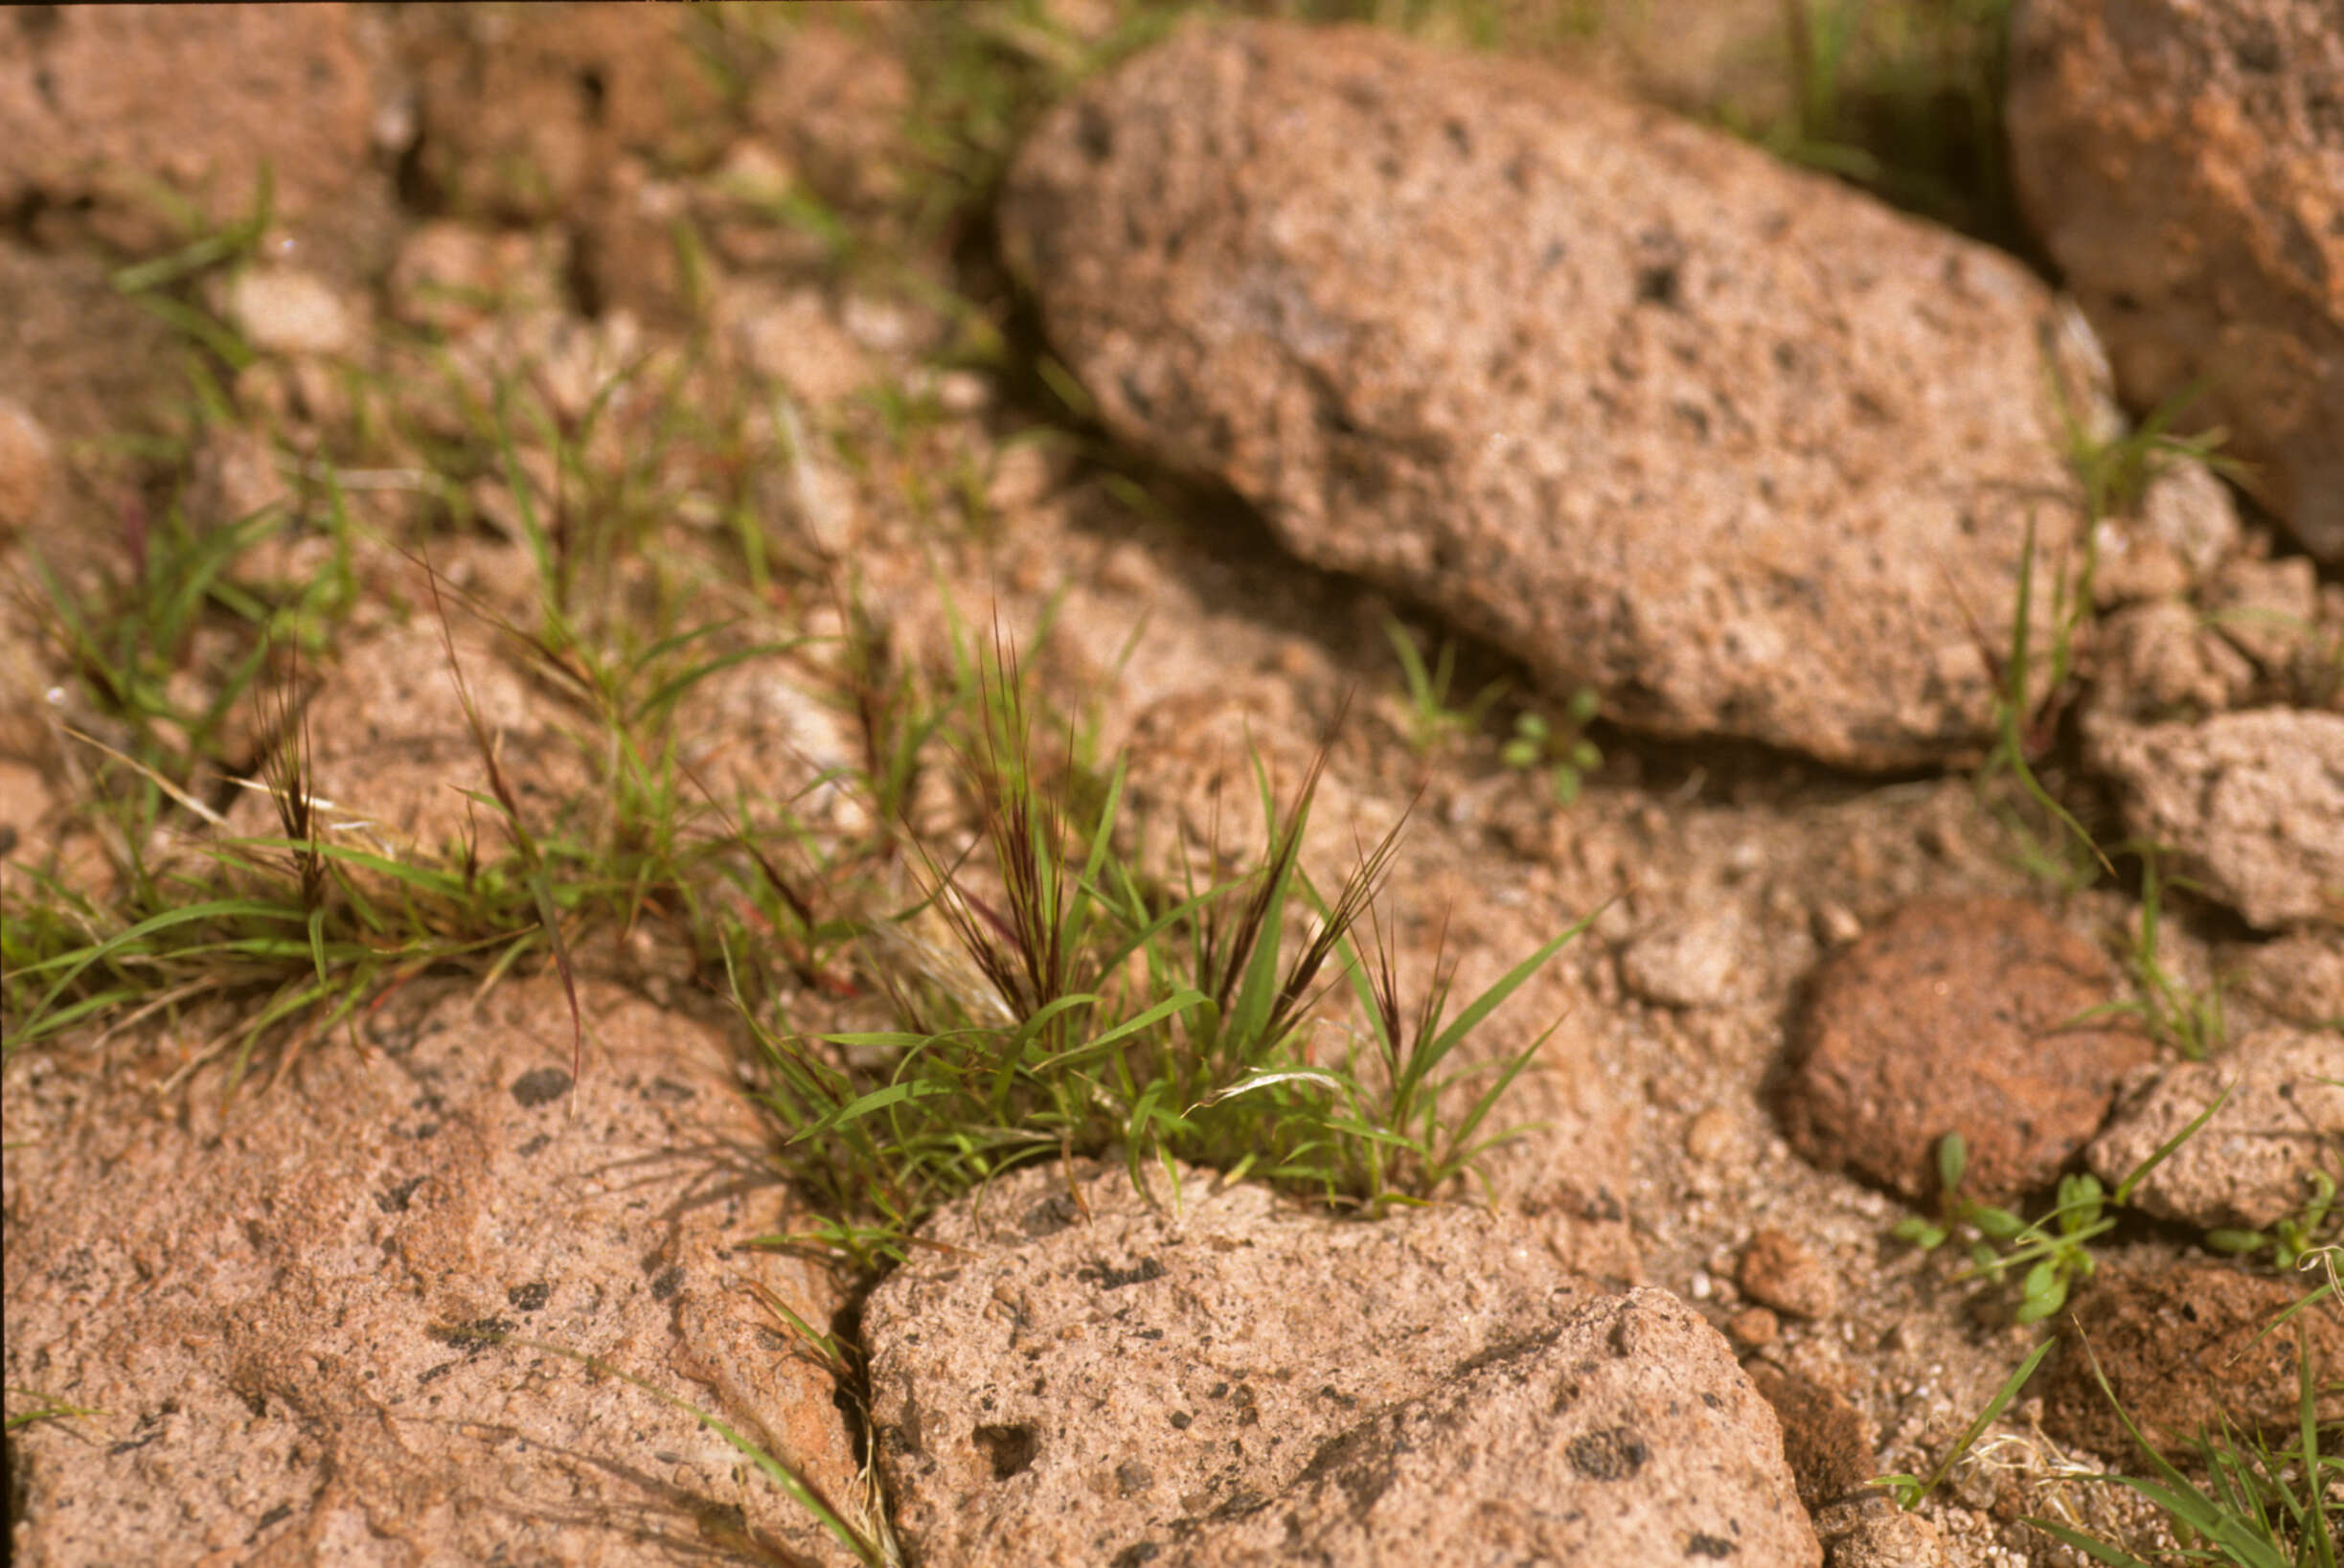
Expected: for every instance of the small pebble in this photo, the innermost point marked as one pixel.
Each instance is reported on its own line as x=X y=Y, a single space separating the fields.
x=1709 y=1137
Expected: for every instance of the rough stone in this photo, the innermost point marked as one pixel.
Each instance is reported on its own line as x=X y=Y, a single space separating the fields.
x=288 y=311
x=2251 y=805
x=524 y=112
x=1954 y=1016
x=201 y=97
x=91 y=362
x=2298 y=977
x=795 y=339
x=2183 y=162
x=394 y=760
x=2266 y=609
x=1737 y=446
x=1071 y=1374
x=1826 y=1439
x=277 y=1310
x=2251 y=1164
x=1871 y=1532
x=1692 y=963
x=2178 y=1346
x=837 y=108
x=1780 y=1271
x=454 y=276
x=2161 y=661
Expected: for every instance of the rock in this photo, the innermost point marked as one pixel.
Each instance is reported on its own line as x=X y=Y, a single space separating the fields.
x=1733 y=445
x=455 y=276
x=2267 y=609
x=28 y=467
x=2300 y=976
x=1696 y=962
x=837 y=107
x=2182 y=162
x=2178 y=1346
x=1778 y=1269
x=202 y=99
x=1954 y=1015
x=92 y=360
x=2250 y=1165
x=235 y=476
x=1826 y=1441
x=524 y=112
x=287 y=312
x=1072 y=1376
x=393 y=761
x=794 y=338
x=273 y=1307
x=2251 y=805
x=2161 y=660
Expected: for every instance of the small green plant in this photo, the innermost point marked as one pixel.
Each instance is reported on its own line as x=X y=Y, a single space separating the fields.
x=1563 y=750
x=1432 y=722
x=2049 y=1255
x=2289 y=1239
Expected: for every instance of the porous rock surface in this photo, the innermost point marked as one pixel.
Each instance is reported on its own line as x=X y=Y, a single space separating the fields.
x=2298 y=977
x=1738 y=446
x=2180 y=1351
x=1070 y=1375
x=2251 y=803
x=276 y=1311
x=93 y=103
x=2183 y=162
x=2252 y=1162
x=1958 y=1016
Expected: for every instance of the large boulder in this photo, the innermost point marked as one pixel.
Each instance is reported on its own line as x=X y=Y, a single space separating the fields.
x=1071 y=1373
x=327 y=1324
x=2183 y=162
x=1745 y=449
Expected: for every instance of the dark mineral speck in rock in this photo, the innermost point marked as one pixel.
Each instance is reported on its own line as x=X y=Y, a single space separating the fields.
x=530 y=1296
x=540 y=1086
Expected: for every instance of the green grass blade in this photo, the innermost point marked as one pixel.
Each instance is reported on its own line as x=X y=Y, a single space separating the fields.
x=1492 y=999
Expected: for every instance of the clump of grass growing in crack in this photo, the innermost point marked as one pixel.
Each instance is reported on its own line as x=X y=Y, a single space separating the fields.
x=2256 y=1507
x=2189 y=1020
x=1100 y=1012
x=2025 y=722
x=1557 y=747
x=304 y=927
x=2116 y=471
